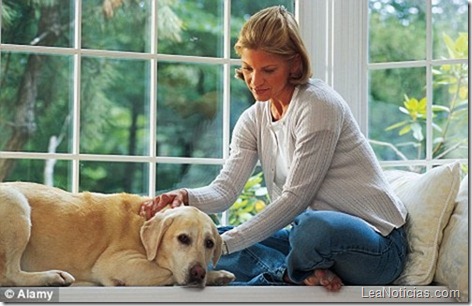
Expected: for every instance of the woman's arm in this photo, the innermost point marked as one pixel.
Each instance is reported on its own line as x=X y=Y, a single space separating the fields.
x=227 y=186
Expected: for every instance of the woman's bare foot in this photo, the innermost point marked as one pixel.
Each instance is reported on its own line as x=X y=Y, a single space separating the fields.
x=325 y=278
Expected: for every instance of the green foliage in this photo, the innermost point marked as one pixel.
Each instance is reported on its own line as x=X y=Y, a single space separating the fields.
x=458 y=48
x=449 y=113
x=252 y=200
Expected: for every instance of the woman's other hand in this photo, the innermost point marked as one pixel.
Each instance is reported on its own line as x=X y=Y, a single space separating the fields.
x=172 y=199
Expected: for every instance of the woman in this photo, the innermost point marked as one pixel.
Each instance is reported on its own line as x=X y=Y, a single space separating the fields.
x=322 y=176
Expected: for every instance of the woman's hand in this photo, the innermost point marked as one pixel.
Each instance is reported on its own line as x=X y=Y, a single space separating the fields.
x=172 y=199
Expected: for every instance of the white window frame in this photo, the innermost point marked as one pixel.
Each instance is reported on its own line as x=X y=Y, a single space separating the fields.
x=153 y=57
x=336 y=34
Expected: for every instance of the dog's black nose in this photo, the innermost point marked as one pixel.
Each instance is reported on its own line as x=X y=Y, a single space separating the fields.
x=197 y=273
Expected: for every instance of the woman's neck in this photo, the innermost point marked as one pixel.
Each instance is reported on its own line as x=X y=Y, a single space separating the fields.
x=279 y=106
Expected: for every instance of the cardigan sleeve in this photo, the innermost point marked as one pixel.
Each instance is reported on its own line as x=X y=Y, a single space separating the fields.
x=224 y=190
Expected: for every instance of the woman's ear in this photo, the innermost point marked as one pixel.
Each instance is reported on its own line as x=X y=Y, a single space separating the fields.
x=296 y=66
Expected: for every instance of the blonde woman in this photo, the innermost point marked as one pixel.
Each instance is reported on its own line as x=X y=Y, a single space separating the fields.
x=333 y=218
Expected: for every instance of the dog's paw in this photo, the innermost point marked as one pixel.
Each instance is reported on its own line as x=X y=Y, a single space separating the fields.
x=58 y=278
x=219 y=278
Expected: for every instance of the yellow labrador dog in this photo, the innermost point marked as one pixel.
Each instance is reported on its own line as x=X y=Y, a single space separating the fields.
x=50 y=237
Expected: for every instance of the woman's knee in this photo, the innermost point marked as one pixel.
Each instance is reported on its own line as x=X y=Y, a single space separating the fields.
x=313 y=227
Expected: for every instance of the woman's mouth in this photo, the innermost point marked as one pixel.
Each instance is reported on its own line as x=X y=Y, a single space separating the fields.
x=260 y=91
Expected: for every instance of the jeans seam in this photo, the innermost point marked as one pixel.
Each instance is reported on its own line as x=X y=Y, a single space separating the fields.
x=258 y=260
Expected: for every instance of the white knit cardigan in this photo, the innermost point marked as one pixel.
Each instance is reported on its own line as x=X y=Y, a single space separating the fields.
x=331 y=167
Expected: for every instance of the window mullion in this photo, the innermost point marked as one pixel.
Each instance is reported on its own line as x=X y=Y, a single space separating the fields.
x=152 y=175
x=316 y=15
x=226 y=77
x=77 y=58
x=350 y=56
x=429 y=83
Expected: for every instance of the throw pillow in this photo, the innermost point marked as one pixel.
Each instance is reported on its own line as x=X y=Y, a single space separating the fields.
x=429 y=199
x=453 y=263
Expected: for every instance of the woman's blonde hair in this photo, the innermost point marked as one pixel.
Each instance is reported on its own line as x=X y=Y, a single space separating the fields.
x=275 y=30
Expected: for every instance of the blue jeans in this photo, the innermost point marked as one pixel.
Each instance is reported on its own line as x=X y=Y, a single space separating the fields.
x=320 y=239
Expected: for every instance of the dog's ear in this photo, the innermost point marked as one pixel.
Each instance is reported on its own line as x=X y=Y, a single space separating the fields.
x=218 y=247
x=152 y=232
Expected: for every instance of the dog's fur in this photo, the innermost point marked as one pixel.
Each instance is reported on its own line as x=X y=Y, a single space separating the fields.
x=50 y=237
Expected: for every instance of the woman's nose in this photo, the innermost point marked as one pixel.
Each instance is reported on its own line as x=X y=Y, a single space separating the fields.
x=256 y=79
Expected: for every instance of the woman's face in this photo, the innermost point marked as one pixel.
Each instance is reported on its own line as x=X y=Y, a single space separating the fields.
x=267 y=75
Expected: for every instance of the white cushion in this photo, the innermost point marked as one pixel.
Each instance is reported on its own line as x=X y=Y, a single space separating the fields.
x=429 y=199
x=453 y=263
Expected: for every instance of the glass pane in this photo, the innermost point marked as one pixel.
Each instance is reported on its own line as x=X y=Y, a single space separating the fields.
x=242 y=10
x=451 y=111
x=189 y=27
x=413 y=168
x=397 y=109
x=39 y=23
x=110 y=177
x=174 y=176
x=397 y=30
x=35 y=108
x=241 y=98
x=50 y=172
x=450 y=29
x=114 y=107
x=189 y=110
x=116 y=25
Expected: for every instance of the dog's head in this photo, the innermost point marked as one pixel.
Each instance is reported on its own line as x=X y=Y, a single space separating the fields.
x=183 y=240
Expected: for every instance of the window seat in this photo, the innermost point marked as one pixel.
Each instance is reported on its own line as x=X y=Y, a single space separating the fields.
x=269 y=294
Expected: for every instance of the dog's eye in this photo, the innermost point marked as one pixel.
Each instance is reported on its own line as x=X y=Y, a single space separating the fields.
x=184 y=239
x=209 y=244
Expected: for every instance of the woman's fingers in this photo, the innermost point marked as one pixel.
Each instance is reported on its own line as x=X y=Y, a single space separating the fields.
x=151 y=207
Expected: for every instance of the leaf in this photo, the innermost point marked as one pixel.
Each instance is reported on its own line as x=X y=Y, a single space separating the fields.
x=440 y=108
x=462 y=46
x=436 y=127
x=253 y=181
x=396 y=125
x=404 y=110
x=239 y=204
x=417 y=131
x=463 y=92
x=450 y=45
x=244 y=217
x=405 y=130
x=438 y=140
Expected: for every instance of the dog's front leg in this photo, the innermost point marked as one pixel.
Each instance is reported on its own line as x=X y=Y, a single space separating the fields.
x=219 y=278
x=131 y=269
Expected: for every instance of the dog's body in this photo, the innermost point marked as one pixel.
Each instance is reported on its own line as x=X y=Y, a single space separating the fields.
x=50 y=237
